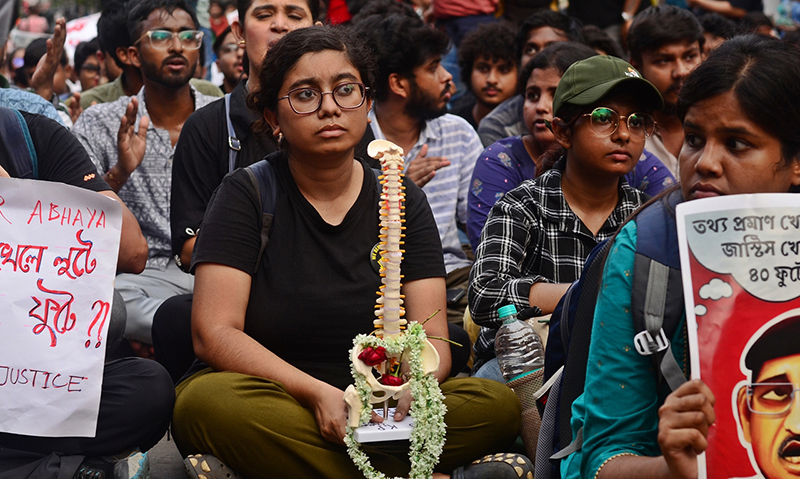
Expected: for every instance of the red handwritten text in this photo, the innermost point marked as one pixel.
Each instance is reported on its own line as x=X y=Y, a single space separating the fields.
x=63 y=319
x=40 y=378
x=2 y=202
x=22 y=257
x=71 y=265
x=68 y=216
x=102 y=315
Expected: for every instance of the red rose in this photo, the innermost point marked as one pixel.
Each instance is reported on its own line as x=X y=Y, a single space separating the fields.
x=373 y=356
x=388 y=380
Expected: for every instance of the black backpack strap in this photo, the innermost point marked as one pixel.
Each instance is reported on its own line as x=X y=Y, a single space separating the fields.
x=16 y=137
x=262 y=174
x=577 y=346
x=234 y=145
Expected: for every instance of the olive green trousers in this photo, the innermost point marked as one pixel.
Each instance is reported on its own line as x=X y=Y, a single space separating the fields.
x=255 y=427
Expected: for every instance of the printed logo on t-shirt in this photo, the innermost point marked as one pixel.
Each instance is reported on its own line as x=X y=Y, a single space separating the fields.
x=88 y=177
x=375 y=258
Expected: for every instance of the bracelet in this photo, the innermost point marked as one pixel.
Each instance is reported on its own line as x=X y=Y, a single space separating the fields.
x=596 y=474
x=113 y=178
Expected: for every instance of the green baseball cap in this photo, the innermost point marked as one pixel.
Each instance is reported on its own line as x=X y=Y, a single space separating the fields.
x=588 y=81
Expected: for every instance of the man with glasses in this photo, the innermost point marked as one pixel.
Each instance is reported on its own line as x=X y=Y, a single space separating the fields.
x=768 y=413
x=132 y=143
x=124 y=79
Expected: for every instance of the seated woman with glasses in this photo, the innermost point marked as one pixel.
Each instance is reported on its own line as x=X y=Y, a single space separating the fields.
x=274 y=328
x=742 y=135
x=538 y=235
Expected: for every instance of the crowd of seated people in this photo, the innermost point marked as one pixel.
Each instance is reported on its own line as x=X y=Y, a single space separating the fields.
x=569 y=122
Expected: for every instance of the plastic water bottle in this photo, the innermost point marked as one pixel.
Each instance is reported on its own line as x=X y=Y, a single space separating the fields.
x=517 y=346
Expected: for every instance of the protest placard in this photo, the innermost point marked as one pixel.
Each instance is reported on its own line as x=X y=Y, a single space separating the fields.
x=58 y=258
x=740 y=261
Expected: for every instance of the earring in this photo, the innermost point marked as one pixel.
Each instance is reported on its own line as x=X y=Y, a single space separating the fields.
x=280 y=138
x=241 y=43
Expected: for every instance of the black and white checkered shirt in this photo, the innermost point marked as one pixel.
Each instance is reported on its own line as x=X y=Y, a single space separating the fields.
x=531 y=236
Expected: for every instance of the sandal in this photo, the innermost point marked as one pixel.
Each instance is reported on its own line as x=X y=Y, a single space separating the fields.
x=497 y=466
x=206 y=466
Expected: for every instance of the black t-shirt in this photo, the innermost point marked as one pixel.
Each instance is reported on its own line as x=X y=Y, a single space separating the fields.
x=463 y=107
x=201 y=159
x=60 y=156
x=315 y=288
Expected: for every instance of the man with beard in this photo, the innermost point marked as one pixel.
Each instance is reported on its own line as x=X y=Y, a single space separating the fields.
x=132 y=143
x=666 y=43
x=769 y=424
x=411 y=97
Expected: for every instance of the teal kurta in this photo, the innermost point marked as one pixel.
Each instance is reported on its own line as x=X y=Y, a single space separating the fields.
x=619 y=406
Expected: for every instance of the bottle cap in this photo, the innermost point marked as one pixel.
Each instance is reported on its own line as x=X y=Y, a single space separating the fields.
x=506 y=311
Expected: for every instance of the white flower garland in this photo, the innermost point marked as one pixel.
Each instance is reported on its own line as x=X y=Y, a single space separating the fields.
x=427 y=407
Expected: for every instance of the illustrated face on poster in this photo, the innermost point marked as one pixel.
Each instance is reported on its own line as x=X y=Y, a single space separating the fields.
x=740 y=260
x=768 y=416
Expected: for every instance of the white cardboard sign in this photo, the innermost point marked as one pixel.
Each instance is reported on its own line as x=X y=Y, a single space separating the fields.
x=58 y=258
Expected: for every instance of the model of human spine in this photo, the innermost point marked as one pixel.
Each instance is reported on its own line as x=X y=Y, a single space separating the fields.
x=389 y=325
x=389 y=308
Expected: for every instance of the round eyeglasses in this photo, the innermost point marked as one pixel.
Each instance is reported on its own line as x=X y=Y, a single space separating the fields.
x=305 y=100
x=605 y=122
x=162 y=39
x=770 y=398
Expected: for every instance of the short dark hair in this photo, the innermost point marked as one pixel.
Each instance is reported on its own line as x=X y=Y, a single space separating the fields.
x=778 y=341
x=220 y=38
x=548 y=18
x=36 y=50
x=112 y=29
x=83 y=51
x=285 y=54
x=660 y=25
x=559 y=55
x=384 y=8
x=717 y=25
x=141 y=9
x=401 y=43
x=492 y=40
x=752 y=20
x=598 y=39
x=763 y=74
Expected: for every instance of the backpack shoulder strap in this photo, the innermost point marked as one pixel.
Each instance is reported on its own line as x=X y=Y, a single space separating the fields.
x=262 y=174
x=17 y=139
x=234 y=145
x=576 y=347
x=657 y=303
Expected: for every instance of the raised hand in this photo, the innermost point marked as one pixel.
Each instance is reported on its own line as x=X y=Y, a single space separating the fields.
x=423 y=168
x=130 y=144
x=684 y=419
x=42 y=78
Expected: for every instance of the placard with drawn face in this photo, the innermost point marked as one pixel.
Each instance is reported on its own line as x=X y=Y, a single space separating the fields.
x=740 y=260
x=58 y=259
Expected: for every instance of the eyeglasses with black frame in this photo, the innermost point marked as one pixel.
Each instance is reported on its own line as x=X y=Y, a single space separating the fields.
x=162 y=39
x=305 y=100
x=605 y=122
x=771 y=399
